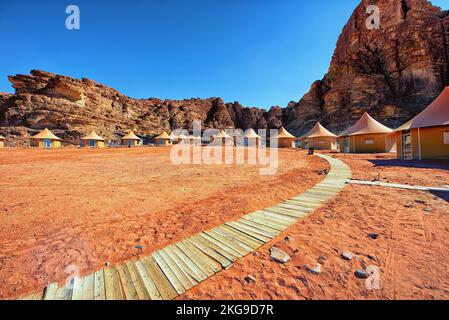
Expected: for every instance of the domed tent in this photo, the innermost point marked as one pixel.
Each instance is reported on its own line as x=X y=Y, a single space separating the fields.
x=222 y=139
x=131 y=140
x=251 y=138
x=319 y=138
x=92 y=140
x=163 y=139
x=2 y=141
x=367 y=136
x=45 y=139
x=285 y=138
x=426 y=136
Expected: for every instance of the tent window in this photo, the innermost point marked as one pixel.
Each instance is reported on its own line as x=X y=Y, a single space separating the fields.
x=369 y=141
x=446 y=138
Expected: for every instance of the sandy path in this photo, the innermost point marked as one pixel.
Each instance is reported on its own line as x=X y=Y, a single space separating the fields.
x=411 y=250
x=66 y=211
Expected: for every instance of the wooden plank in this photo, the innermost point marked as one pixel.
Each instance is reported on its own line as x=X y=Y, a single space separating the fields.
x=127 y=283
x=77 y=292
x=278 y=217
x=183 y=276
x=245 y=238
x=264 y=222
x=261 y=225
x=162 y=283
x=199 y=275
x=242 y=249
x=148 y=282
x=137 y=281
x=208 y=265
x=285 y=212
x=99 y=285
x=248 y=231
x=38 y=295
x=273 y=218
x=220 y=246
x=295 y=207
x=113 y=286
x=176 y=283
x=225 y=262
x=89 y=287
x=266 y=234
x=304 y=203
x=64 y=292
x=50 y=291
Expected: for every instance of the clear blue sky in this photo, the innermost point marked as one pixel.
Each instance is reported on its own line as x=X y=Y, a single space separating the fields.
x=258 y=52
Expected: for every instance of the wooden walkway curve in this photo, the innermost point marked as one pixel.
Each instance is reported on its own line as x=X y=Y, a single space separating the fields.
x=171 y=271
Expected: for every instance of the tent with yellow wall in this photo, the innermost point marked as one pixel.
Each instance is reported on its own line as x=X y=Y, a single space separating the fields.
x=45 y=139
x=131 y=140
x=2 y=141
x=367 y=136
x=163 y=139
x=285 y=138
x=319 y=138
x=92 y=140
x=251 y=138
x=222 y=139
x=426 y=136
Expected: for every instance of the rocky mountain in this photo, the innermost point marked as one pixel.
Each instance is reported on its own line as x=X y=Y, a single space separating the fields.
x=392 y=72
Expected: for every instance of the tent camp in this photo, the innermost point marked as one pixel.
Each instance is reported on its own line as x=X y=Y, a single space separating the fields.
x=163 y=139
x=367 y=136
x=92 y=140
x=251 y=138
x=285 y=138
x=45 y=139
x=2 y=141
x=426 y=136
x=319 y=138
x=131 y=140
x=222 y=139
x=179 y=138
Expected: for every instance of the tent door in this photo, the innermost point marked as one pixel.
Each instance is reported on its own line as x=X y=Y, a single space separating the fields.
x=407 y=146
x=346 y=144
x=47 y=143
x=92 y=143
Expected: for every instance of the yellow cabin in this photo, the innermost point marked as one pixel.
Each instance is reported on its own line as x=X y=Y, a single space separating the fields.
x=426 y=136
x=131 y=140
x=45 y=139
x=367 y=136
x=163 y=139
x=285 y=138
x=319 y=138
x=2 y=141
x=92 y=140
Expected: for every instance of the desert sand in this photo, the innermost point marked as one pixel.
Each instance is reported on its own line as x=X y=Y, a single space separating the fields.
x=72 y=211
x=410 y=251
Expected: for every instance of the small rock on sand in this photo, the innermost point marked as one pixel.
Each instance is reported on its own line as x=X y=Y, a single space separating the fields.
x=139 y=247
x=321 y=259
x=316 y=270
x=250 y=279
x=347 y=255
x=373 y=235
x=278 y=255
x=361 y=274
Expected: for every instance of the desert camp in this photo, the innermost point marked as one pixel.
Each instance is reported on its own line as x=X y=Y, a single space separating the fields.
x=92 y=140
x=251 y=138
x=367 y=136
x=131 y=140
x=426 y=136
x=319 y=138
x=163 y=139
x=284 y=138
x=45 y=139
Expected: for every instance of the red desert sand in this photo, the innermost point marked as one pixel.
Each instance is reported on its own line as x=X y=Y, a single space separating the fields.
x=70 y=210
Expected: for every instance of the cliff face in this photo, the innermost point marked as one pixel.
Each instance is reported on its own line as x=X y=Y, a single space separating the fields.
x=71 y=107
x=392 y=72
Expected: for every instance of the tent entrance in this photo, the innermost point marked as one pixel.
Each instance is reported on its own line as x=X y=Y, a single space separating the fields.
x=407 y=153
x=47 y=143
x=346 y=144
x=92 y=143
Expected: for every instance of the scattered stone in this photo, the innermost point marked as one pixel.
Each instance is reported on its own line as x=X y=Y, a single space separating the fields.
x=321 y=259
x=373 y=236
x=138 y=246
x=428 y=209
x=106 y=264
x=420 y=201
x=372 y=256
x=361 y=274
x=347 y=256
x=250 y=279
x=287 y=239
x=278 y=255
x=316 y=270
x=408 y=205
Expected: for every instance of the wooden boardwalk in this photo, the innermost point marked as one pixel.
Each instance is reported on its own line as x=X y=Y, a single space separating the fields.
x=171 y=271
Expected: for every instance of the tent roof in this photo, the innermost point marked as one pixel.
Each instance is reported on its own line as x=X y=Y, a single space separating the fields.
x=250 y=133
x=366 y=125
x=318 y=131
x=436 y=114
x=222 y=134
x=282 y=134
x=92 y=136
x=163 y=135
x=45 y=134
x=2 y=137
x=130 y=136
x=176 y=136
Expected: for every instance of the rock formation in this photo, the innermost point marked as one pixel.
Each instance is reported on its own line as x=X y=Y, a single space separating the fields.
x=392 y=72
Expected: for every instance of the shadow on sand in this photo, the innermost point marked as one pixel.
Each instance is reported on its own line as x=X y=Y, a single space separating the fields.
x=425 y=164
x=441 y=194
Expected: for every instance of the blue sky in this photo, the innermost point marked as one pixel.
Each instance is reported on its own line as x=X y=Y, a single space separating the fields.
x=258 y=52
